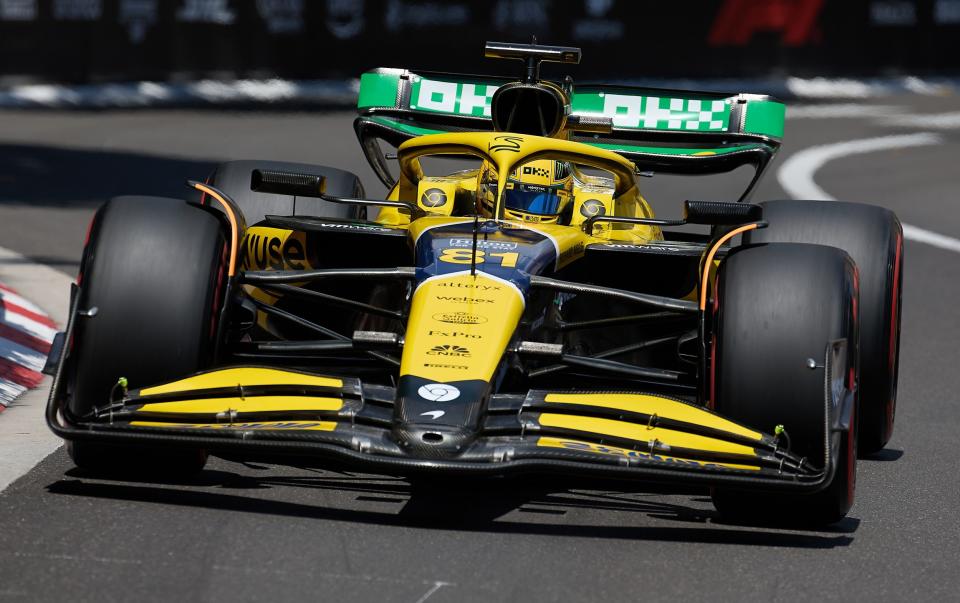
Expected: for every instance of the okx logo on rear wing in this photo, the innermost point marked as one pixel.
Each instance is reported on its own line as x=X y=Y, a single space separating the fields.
x=660 y=130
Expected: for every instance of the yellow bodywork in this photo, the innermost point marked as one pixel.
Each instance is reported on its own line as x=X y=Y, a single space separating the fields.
x=460 y=325
x=245 y=376
x=249 y=426
x=641 y=433
x=605 y=449
x=654 y=405
x=238 y=377
x=505 y=153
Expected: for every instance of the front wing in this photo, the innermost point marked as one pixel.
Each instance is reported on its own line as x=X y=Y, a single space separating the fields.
x=259 y=411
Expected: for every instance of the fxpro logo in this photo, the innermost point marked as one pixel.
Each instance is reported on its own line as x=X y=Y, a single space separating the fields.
x=449 y=350
x=455 y=334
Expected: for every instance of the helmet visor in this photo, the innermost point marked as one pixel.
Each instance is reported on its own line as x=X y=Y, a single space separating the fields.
x=532 y=200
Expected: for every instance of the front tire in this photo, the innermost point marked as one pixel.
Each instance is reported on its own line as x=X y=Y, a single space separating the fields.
x=776 y=307
x=154 y=269
x=873 y=237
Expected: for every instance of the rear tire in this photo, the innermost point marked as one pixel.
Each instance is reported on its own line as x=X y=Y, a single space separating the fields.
x=874 y=239
x=233 y=178
x=776 y=307
x=154 y=269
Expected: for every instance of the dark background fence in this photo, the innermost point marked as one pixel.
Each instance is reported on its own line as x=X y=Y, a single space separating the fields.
x=77 y=41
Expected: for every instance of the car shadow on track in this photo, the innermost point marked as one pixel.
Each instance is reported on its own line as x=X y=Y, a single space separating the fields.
x=886 y=455
x=511 y=507
x=52 y=176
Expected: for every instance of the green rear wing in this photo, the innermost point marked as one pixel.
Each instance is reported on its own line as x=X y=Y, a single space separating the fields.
x=659 y=130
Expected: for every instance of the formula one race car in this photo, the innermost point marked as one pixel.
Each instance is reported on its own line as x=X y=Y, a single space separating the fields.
x=523 y=313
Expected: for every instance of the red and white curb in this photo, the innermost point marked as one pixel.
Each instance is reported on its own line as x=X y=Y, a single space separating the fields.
x=26 y=333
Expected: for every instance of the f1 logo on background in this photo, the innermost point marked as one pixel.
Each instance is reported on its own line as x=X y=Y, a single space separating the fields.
x=738 y=21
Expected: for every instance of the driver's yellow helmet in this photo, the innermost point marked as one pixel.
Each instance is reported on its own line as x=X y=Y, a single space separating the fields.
x=537 y=191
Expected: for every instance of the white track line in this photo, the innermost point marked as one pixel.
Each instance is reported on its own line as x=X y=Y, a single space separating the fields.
x=797 y=172
x=841 y=110
x=25 y=439
x=936 y=121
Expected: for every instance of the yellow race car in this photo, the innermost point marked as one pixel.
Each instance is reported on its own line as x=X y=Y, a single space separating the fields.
x=512 y=306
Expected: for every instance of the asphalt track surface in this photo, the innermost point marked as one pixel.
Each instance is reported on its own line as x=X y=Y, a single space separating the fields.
x=253 y=532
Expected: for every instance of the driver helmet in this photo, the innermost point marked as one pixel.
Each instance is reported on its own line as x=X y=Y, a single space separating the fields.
x=539 y=191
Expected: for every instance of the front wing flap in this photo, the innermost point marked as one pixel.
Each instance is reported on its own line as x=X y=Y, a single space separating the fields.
x=252 y=410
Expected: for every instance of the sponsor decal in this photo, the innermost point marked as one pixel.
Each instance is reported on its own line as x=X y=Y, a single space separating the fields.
x=263 y=252
x=574 y=250
x=506 y=143
x=401 y=15
x=18 y=10
x=612 y=450
x=455 y=334
x=893 y=13
x=452 y=97
x=206 y=11
x=456 y=367
x=522 y=16
x=646 y=248
x=482 y=244
x=536 y=171
x=434 y=197
x=946 y=12
x=438 y=392
x=345 y=18
x=449 y=350
x=460 y=318
x=653 y=112
x=464 y=299
x=598 y=25
x=282 y=16
x=474 y=286
x=77 y=10
x=433 y=414
x=738 y=21
x=138 y=16
x=250 y=426
x=366 y=227
x=592 y=207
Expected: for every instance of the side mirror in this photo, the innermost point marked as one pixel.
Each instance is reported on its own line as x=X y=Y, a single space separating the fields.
x=721 y=213
x=287 y=183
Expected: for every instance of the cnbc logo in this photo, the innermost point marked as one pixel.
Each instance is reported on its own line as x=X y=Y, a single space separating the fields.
x=451 y=97
x=449 y=350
